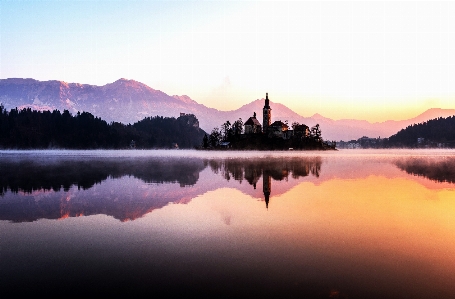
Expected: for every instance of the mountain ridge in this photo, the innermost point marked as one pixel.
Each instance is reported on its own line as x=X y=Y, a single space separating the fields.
x=128 y=101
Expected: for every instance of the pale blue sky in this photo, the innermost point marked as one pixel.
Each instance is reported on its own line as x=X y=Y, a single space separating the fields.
x=365 y=60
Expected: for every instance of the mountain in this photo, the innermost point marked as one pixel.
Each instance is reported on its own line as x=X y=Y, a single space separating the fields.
x=129 y=101
x=124 y=100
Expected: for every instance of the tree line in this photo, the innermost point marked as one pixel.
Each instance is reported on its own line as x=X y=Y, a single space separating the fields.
x=31 y=129
x=223 y=134
x=303 y=138
x=438 y=132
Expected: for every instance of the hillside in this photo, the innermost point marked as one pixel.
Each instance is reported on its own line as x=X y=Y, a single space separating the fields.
x=31 y=129
x=438 y=132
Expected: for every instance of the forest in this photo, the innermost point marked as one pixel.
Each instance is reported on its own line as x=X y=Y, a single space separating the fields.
x=438 y=132
x=31 y=129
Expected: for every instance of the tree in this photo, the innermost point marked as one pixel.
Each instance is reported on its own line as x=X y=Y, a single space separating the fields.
x=43 y=129
x=294 y=125
x=215 y=137
x=237 y=127
x=205 y=141
x=315 y=133
x=225 y=128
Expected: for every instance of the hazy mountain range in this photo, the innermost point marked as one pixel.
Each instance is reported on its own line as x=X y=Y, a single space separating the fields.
x=128 y=101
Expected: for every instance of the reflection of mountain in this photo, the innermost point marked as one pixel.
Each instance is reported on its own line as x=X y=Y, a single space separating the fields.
x=128 y=188
x=433 y=169
x=125 y=199
x=121 y=187
x=108 y=184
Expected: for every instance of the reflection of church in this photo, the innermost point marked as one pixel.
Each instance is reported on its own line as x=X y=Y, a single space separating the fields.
x=267 y=188
x=268 y=168
x=252 y=175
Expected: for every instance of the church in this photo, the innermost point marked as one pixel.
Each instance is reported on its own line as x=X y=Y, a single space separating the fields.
x=275 y=129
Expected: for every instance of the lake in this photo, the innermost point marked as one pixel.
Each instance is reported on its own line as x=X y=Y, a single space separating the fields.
x=195 y=224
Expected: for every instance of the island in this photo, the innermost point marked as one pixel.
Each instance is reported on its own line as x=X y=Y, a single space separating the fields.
x=278 y=135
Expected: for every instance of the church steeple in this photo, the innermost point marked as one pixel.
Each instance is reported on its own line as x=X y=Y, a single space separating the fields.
x=266 y=114
x=267 y=104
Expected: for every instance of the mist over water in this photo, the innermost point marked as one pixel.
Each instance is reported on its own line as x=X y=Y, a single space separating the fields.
x=186 y=224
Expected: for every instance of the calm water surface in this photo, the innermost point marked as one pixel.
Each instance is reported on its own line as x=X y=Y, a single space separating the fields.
x=189 y=224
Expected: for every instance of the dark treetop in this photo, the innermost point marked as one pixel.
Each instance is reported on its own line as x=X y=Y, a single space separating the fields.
x=27 y=129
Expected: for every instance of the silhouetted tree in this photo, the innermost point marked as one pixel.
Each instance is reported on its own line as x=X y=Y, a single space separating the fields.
x=315 y=133
x=205 y=141
x=225 y=128
x=44 y=129
x=294 y=125
x=215 y=137
x=237 y=127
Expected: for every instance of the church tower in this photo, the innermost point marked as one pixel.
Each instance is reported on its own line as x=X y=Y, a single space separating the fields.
x=266 y=114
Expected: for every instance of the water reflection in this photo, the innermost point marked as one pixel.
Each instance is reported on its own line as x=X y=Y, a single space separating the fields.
x=440 y=170
x=72 y=187
x=336 y=227
x=129 y=188
x=60 y=188
x=269 y=168
x=28 y=175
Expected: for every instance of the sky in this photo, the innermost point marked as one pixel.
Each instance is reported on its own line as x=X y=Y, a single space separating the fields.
x=373 y=60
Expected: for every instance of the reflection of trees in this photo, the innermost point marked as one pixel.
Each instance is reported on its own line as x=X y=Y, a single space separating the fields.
x=63 y=173
x=269 y=168
x=119 y=200
x=28 y=175
x=441 y=170
x=278 y=168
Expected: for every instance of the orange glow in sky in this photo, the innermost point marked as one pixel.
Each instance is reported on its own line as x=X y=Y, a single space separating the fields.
x=373 y=60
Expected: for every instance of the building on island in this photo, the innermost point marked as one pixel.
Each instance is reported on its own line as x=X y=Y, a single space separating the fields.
x=252 y=125
x=276 y=129
x=279 y=129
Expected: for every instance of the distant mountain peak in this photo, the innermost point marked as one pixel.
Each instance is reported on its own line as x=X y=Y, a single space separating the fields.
x=436 y=110
x=318 y=116
x=123 y=83
x=433 y=113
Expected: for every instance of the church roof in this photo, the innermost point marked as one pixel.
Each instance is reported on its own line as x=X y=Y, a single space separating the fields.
x=279 y=124
x=252 y=121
